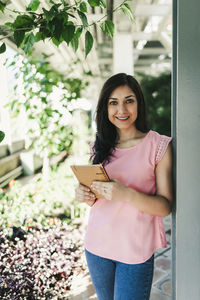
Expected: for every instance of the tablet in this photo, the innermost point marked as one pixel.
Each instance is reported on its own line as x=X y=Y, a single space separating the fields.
x=86 y=174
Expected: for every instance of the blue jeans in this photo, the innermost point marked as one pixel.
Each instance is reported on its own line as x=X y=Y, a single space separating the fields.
x=114 y=280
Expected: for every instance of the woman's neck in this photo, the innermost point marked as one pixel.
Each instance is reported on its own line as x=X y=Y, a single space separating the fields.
x=128 y=135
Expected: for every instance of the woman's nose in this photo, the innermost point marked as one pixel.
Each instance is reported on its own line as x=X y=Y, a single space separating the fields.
x=121 y=108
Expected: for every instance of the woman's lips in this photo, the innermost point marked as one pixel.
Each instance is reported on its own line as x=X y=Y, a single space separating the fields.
x=122 y=119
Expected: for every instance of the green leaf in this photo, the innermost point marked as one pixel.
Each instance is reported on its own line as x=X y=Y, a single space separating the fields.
x=33 y=5
x=83 y=7
x=94 y=3
x=56 y=42
x=45 y=30
x=12 y=104
x=19 y=37
x=56 y=6
x=38 y=36
x=49 y=112
x=49 y=14
x=102 y=3
x=24 y=22
x=29 y=41
x=108 y=27
x=2 y=48
x=88 y=42
x=9 y=24
x=58 y=23
x=44 y=100
x=75 y=39
x=127 y=11
x=79 y=31
x=68 y=33
x=83 y=18
x=2 y=135
x=2 y=6
x=74 y=43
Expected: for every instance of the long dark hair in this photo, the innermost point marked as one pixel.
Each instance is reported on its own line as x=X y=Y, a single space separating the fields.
x=106 y=136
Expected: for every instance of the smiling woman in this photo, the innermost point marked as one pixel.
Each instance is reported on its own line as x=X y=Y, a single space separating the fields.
x=122 y=110
x=125 y=225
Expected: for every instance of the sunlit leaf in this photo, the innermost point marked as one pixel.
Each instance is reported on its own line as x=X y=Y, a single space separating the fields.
x=55 y=41
x=127 y=11
x=38 y=36
x=83 y=18
x=74 y=43
x=108 y=27
x=33 y=5
x=94 y=3
x=103 y=3
x=79 y=31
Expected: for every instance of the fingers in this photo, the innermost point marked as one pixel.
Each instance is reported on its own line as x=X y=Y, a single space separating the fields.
x=83 y=194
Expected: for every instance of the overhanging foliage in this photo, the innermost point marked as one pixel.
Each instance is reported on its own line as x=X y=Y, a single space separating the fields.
x=63 y=22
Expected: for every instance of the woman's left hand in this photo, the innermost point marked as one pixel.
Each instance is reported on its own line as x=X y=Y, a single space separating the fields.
x=113 y=190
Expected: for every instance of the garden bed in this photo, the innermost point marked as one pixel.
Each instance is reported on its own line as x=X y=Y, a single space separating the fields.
x=40 y=263
x=41 y=237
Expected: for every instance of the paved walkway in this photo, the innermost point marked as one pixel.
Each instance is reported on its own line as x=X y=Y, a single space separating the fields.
x=82 y=288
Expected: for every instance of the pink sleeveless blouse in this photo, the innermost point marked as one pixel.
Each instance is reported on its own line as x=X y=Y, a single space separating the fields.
x=118 y=230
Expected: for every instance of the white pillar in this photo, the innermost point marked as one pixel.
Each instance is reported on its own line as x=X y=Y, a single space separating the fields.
x=186 y=128
x=123 y=53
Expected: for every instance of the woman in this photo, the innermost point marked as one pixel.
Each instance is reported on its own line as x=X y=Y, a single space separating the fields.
x=125 y=226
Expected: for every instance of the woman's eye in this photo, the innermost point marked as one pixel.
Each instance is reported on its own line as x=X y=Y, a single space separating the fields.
x=113 y=102
x=130 y=101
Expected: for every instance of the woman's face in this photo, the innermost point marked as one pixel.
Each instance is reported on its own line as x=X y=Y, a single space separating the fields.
x=122 y=108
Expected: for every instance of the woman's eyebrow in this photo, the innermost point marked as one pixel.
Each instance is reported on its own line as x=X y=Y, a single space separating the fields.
x=124 y=97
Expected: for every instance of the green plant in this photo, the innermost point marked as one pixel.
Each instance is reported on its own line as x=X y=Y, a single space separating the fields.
x=63 y=22
x=157 y=93
x=39 y=205
x=44 y=95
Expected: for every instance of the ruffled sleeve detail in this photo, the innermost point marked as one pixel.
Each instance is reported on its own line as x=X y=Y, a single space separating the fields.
x=162 y=147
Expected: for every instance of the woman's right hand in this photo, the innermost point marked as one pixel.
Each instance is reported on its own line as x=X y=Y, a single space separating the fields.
x=83 y=194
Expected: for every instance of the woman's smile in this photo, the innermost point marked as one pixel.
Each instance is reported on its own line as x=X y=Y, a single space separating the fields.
x=122 y=119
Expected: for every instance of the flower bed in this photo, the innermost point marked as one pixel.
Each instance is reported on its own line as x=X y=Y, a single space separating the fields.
x=41 y=237
x=40 y=263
